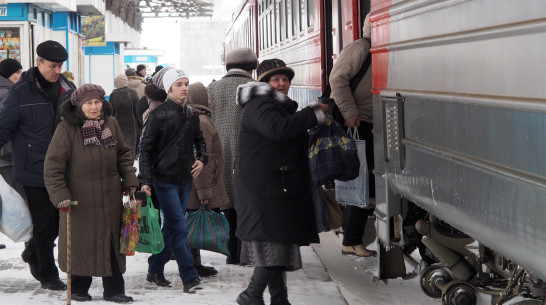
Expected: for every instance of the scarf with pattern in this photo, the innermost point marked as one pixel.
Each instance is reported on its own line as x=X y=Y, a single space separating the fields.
x=95 y=132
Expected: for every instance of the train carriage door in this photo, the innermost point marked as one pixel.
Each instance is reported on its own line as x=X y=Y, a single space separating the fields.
x=342 y=25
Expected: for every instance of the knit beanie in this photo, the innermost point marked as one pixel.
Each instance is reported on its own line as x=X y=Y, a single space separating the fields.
x=243 y=58
x=171 y=77
x=157 y=79
x=85 y=93
x=140 y=68
x=197 y=94
x=8 y=67
x=121 y=81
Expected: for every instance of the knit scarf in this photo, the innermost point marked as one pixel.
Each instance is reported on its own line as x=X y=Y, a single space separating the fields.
x=95 y=132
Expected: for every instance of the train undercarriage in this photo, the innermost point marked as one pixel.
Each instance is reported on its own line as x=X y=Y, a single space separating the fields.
x=457 y=269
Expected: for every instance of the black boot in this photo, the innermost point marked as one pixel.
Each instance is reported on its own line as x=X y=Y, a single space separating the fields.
x=277 y=288
x=254 y=294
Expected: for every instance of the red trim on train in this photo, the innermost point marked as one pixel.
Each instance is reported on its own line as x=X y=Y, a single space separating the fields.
x=381 y=36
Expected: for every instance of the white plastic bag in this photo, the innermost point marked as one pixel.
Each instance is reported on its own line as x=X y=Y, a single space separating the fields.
x=355 y=192
x=15 y=221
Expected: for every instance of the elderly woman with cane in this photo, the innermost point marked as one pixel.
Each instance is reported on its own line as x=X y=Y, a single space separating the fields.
x=89 y=162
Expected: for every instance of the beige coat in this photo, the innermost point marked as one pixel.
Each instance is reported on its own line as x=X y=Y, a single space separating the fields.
x=138 y=84
x=94 y=176
x=349 y=62
x=210 y=182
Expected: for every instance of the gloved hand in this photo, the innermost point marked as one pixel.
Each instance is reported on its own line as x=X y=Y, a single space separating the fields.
x=64 y=206
x=130 y=190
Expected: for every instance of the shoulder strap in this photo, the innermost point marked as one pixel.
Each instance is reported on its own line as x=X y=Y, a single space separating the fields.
x=355 y=80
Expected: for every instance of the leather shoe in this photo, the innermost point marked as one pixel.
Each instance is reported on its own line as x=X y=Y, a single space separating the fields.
x=158 y=279
x=119 y=298
x=55 y=284
x=205 y=271
x=357 y=250
x=81 y=297
x=192 y=285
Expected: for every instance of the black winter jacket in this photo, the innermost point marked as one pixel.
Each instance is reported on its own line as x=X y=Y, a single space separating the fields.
x=29 y=119
x=272 y=181
x=167 y=145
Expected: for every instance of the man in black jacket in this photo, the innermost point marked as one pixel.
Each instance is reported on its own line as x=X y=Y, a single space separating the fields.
x=167 y=162
x=28 y=118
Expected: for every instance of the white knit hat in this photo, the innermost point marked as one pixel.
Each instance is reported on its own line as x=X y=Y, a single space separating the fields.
x=172 y=76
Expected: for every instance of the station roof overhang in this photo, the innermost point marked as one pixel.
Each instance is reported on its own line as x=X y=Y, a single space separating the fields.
x=174 y=8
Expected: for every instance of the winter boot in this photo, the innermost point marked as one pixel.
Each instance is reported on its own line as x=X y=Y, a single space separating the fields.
x=277 y=288
x=254 y=294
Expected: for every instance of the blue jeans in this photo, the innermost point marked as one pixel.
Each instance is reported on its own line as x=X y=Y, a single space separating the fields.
x=174 y=200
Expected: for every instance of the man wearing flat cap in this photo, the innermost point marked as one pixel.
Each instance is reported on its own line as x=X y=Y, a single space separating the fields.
x=28 y=118
x=226 y=114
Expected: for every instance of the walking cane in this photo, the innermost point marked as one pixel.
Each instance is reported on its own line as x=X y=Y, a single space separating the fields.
x=69 y=254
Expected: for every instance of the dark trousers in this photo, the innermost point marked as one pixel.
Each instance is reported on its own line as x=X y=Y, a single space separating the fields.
x=355 y=217
x=112 y=285
x=234 y=244
x=45 y=221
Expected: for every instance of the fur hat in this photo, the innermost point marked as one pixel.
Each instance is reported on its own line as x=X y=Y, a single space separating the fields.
x=153 y=93
x=157 y=79
x=198 y=95
x=243 y=58
x=52 y=51
x=121 y=81
x=85 y=93
x=171 y=76
x=270 y=67
x=130 y=72
x=9 y=66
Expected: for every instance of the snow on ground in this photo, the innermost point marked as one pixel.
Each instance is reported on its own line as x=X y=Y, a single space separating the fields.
x=311 y=285
x=327 y=278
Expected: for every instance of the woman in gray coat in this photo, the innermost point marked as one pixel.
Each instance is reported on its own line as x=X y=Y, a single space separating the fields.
x=88 y=161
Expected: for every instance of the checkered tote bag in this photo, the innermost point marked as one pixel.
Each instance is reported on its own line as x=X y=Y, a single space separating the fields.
x=207 y=230
x=332 y=154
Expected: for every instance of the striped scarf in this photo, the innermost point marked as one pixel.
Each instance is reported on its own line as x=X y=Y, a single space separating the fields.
x=95 y=132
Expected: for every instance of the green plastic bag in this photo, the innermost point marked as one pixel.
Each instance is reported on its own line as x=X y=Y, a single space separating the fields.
x=151 y=238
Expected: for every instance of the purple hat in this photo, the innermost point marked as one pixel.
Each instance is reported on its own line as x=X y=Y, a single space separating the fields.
x=87 y=92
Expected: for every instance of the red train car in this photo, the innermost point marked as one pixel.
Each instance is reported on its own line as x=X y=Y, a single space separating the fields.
x=307 y=34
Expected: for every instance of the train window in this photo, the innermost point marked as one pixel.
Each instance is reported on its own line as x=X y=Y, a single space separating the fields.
x=295 y=16
x=273 y=23
x=310 y=13
x=282 y=19
x=268 y=29
x=302 y=15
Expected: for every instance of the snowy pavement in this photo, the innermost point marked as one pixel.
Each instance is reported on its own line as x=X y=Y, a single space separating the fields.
x=326 y=279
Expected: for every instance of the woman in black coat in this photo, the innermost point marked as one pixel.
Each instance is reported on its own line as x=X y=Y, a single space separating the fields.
x=272 y=195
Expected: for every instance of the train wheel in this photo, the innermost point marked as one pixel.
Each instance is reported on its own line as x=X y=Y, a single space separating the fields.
x=459 y=293
x=433 y=279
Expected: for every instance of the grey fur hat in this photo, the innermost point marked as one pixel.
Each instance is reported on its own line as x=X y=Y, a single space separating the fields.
x=243 y=58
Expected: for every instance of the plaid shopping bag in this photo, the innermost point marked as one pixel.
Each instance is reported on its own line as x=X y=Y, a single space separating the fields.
x=332 y=154
x=208 y=230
